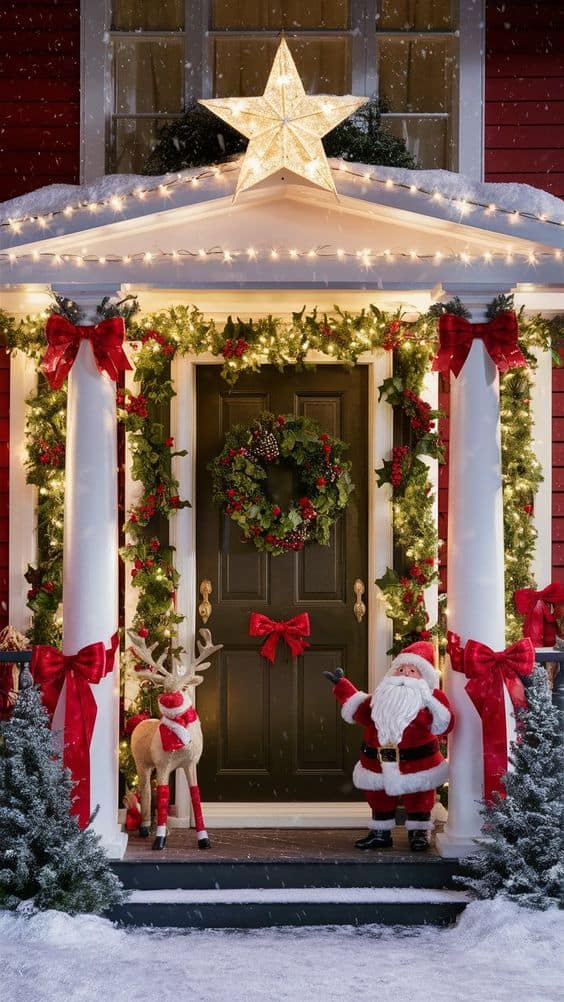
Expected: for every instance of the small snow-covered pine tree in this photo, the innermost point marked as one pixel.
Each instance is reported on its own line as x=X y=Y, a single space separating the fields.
x=45 y=858
x=522 y=858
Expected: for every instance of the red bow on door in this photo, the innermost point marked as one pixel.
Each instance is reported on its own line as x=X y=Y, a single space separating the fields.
x=488 y=673
x=540 y=622
x=292 y=630
x=500 y=337
x=63 y=340
x=51 y=669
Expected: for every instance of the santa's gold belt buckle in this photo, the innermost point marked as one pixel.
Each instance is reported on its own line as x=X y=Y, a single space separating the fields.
x=389 y=748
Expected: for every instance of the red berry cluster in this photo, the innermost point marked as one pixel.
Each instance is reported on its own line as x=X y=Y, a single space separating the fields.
x=47 y=586
x=399 y=452
x=308 y=512
x=392 y=331
x=235 y=348
x=228 y=459
x=420 y=411
x=168 y=348
x=132 y=404
x=325 y=330
x=51 y=455
x=142 y=565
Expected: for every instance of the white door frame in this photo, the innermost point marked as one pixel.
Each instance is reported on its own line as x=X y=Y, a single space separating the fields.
x=380 y=555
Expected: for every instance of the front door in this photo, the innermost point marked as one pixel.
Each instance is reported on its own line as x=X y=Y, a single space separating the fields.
x=274 y=731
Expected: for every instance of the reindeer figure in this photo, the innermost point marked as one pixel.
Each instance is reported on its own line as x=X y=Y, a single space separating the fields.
x=173 y=742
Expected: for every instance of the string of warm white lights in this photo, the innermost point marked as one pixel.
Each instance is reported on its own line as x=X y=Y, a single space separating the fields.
x=462 y=205
x=366 y=257
x=117 y=202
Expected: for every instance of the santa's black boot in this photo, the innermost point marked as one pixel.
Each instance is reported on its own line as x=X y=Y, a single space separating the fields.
x=378 y=837
x=418 y=826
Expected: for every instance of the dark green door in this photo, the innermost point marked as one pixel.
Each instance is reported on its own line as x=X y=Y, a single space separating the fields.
x=274 y=732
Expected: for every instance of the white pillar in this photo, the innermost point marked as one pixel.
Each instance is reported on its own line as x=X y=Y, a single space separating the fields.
x=90 y=562
x=475 y=567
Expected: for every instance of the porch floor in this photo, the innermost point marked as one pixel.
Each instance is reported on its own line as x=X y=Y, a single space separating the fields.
x=272 y=845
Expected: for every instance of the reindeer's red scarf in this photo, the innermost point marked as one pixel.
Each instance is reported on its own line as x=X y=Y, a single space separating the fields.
x=173 y=728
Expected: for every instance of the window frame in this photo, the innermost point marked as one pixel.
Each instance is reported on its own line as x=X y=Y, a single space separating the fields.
x=96 y=70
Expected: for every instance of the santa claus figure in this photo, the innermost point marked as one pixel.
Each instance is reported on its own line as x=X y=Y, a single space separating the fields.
x=400 y=758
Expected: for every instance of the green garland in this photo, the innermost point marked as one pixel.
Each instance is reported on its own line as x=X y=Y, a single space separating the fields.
x=240 y=470
x=246 y=346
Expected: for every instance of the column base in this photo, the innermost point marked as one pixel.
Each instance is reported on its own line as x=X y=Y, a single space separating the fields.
x=114 y=846
x=451 y=846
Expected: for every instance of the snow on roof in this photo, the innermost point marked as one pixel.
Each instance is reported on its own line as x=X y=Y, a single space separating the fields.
x=521 y=198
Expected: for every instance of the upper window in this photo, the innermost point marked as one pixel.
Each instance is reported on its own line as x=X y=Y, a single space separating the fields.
x=167 y=53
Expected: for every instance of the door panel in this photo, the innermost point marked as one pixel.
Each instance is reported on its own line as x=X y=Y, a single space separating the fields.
x=274 y=732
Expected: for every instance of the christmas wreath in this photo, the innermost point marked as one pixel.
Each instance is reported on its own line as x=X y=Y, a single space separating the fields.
x=240 y=475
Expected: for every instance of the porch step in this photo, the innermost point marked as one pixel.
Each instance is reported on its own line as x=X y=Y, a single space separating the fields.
x=247 y=908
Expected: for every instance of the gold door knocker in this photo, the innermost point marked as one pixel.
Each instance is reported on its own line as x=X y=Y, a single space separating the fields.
x=359 y=607
x=205 y=606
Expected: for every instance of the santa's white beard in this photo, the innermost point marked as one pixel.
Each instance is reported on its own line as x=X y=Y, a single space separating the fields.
x=395 y=703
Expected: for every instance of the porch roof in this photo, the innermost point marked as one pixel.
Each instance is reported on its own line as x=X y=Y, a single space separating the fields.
x=389 y=229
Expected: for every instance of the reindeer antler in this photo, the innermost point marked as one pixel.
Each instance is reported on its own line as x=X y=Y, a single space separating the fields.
x=156 y=672
x=180 y=676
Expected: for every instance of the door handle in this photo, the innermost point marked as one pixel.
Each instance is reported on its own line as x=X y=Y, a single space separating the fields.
x=205 y=606
x=359 y=607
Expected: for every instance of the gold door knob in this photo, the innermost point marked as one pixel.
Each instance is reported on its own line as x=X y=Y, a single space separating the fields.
x=359 y=607
x=205 y=606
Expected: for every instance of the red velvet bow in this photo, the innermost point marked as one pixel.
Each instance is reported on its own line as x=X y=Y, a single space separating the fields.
x=293 y=630
x=500 y=337
x=488 y=672
x=540 y=622
x=50 y=670
x=64 y=339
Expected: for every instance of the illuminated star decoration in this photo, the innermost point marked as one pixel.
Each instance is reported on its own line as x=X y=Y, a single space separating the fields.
x=285 y=125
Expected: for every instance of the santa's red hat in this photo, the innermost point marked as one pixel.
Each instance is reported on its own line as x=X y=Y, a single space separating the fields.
x=422 y=656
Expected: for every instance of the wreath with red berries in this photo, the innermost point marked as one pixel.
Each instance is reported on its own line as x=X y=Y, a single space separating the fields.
x=240 y=475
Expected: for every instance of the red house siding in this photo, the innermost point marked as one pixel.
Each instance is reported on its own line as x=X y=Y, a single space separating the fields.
x=39 y=95
x=524 y=116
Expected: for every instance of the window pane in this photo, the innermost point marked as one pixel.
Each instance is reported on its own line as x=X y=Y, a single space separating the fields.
x=417 y=74
x=148 y=76
x=415 y=15
x=132 y=141
x=280 y=14
x=241 y=66
x=153 y=15
x=429 y=139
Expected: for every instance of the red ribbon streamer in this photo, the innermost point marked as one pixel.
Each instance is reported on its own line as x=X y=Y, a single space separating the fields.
x=51 y=669
x=540 y=622
x=292 y=630
x=500 y=337
x=64 y=339
x=488 y=672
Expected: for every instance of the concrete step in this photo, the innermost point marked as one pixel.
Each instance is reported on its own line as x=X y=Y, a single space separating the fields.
x=249 y=908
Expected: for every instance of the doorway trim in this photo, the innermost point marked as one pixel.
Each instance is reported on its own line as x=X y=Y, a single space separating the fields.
x=183 y=420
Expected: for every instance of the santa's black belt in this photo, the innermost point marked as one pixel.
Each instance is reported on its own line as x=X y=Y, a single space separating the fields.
x=405 y=754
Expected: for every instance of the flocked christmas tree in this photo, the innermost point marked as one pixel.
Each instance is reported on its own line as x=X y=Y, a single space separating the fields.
x=44 y=856
x=523 y=857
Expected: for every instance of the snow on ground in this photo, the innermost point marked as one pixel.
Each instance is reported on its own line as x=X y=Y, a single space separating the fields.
x=522 y=197
x=497 y=952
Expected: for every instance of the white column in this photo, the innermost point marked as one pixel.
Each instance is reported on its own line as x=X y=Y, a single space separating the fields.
x=183 y=537
x=475 y=567
x=22 y=496
x=90 y=562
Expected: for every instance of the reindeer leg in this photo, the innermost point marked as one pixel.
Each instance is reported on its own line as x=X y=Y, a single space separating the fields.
x=163 y=797
x=145 y=793
x=201 y=833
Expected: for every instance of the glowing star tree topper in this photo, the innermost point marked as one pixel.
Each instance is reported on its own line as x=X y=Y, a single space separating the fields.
x=285 y=125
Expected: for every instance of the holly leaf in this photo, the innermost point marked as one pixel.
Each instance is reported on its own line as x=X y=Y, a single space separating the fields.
x=388 y=580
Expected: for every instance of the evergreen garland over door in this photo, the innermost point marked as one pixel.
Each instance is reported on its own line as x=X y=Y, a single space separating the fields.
x=274 y=732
